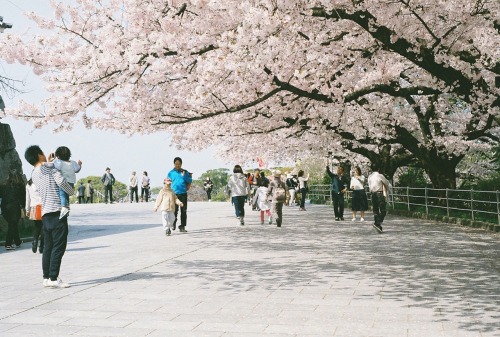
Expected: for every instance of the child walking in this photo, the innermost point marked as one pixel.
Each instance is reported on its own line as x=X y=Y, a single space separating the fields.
x=166 y=201
x=264 y=203
x=68 y=169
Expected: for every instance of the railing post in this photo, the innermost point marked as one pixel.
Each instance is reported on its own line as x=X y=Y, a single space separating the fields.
x=498 y=206
x=408 y=196
x=426 y=205
x=472 y=204
x=447 y=205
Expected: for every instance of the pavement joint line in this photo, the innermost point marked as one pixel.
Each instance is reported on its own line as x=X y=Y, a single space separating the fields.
x=104 y=282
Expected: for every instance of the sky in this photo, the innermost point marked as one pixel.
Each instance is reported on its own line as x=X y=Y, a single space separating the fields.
x=95 y=148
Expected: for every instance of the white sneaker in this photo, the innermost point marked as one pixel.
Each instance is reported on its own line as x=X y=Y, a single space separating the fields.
x=57 y=284
x=362 y=219
x=45 y=282
x=64 y=212
x=353 y=219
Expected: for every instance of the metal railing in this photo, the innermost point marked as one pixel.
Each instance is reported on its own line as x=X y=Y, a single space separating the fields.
x=472 y=204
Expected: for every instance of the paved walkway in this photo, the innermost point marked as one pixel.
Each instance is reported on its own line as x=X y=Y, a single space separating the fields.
x=312 y=277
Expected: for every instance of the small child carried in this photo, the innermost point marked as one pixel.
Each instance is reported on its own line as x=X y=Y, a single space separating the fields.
x=68 y=168
x=166 y=201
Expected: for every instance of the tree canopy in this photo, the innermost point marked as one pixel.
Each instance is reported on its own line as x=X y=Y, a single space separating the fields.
x=407 y=81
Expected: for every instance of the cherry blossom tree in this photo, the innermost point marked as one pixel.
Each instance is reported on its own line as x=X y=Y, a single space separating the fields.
x=410 y=78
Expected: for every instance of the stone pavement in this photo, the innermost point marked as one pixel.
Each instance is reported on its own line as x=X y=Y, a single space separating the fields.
x=312 y=277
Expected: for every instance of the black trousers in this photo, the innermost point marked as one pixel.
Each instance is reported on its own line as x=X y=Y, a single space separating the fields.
x=134 y=191
x=379 y=207
x=38 y=233
x=184 y=199
x=108 y=190
x=55 y=233
x=12 y=215
x=145 y=194
x=338 y=204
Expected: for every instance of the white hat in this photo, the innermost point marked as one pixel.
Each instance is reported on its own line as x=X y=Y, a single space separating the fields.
x=277 y=173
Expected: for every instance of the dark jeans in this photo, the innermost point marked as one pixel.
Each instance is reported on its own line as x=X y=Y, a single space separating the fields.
x=55 y=233
x=81 y=199
x=338 y=204
x=145 y=194
x=108 y=190
x=239 y=206
x=12 y=214
x=209 y=194
x=303 y=192
x=184 y=199
x=134 y=191
x=379 y=207
x=90 y=200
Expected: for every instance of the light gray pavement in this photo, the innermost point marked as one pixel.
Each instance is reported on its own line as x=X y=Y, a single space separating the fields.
x=312 y=277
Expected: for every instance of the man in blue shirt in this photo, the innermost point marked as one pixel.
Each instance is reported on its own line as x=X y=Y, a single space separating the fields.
x=181 y=182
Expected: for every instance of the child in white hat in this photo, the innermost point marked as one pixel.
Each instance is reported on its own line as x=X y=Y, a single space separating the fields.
x=166 y=201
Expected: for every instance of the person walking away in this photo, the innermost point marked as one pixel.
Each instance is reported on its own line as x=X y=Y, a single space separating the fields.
x=303 y=189
x=68 y=169
x=240 y=189
x=181 y=182
x=108 y=180
x=379 y=188
x=89 y=192
x=81 y=193
x=55 y=229
x=264 y=203
x=277 y=192
x=133 y=187
x=34 y=212
x=339 y=187
x=359 y=199
x=13 y=194
x=166 y=201
x=208 y=186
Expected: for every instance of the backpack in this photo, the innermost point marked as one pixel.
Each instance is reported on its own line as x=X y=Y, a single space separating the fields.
x=279 y=193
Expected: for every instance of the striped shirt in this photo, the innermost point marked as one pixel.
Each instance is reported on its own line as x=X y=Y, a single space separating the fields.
x=48 y=181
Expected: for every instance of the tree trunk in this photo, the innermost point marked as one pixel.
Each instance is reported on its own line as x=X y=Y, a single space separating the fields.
x=442 y=171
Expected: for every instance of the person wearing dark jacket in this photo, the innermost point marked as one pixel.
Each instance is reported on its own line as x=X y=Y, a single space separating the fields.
x=13 y=194
x=108 y=180
x=339 y=186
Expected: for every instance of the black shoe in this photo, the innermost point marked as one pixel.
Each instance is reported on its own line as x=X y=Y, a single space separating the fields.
x=182 y=229
x=377 y=227
x=19 y=244
x=10 y=247
x=342 y=219
x=34 y=245
x=40 y=250
x=168 y=232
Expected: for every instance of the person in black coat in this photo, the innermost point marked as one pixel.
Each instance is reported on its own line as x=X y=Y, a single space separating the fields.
x=13 y=194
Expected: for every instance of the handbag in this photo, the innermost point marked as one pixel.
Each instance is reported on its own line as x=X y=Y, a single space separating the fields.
x=38 y=212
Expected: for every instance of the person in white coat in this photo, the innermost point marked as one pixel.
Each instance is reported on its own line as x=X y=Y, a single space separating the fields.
x=240 y=189
x=379 y=188
x=33 y=209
